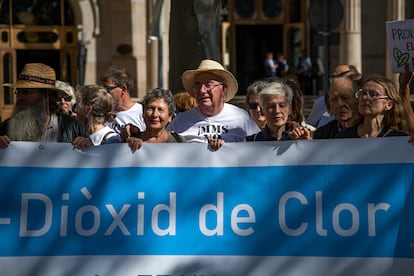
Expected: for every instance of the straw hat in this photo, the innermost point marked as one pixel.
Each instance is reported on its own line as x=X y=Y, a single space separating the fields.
x=214 y=67
x=36 y=75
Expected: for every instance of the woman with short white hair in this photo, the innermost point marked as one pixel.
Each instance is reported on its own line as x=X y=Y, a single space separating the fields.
x=276 y=102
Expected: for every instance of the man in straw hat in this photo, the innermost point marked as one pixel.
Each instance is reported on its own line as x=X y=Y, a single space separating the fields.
x=213 y=121
x=34 y=116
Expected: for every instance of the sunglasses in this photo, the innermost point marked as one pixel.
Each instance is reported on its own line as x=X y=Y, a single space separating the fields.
x=253 y=106
x=109 y=88
x=339 y=75
x=66 y=98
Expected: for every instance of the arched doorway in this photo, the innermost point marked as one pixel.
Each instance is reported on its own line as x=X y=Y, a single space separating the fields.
x=258 y=26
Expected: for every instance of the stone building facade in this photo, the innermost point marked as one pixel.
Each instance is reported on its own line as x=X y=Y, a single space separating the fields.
x=156 y=40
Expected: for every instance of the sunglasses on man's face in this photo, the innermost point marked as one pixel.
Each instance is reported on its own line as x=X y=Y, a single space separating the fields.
x=109 y=88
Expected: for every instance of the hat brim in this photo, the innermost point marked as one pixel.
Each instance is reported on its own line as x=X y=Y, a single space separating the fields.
x=29 y=85
x=188 y=81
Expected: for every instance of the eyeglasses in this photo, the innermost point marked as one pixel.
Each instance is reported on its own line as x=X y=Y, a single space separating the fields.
x=253 y=106
x=109 y=88
x=66 y=98
x=340 y=74
x=208 y=85
x=370 y=94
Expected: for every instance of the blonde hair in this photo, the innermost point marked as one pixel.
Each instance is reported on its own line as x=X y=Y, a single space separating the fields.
x=395 y=118
x=99 y=100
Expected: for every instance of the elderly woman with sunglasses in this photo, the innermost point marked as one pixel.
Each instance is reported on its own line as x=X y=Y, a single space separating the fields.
x=67 y=100
x=380 y=111
x=252 y=102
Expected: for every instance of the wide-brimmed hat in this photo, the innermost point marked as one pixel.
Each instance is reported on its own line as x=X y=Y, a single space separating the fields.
x=36 y=75
x=216 y=68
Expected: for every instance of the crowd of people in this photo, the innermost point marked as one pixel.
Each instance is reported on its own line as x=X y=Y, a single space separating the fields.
x=308 y=71
x=356 y=106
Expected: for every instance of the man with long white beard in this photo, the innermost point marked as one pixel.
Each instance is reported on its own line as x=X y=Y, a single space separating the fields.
x=34 y=116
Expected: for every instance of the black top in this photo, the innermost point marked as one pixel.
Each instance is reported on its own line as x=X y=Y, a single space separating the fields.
x=265 y=135
x=328 y=131
x=352 y=132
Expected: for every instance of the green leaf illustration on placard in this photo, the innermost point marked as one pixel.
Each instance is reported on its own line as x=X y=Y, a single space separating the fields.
x=400 y=58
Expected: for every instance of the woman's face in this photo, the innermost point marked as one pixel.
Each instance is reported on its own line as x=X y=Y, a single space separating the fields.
x=277 y=110
x=373 y=100
x=156 y=114
x=65 y=103
x=255 y=110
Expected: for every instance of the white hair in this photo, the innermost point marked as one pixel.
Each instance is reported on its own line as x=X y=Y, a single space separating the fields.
x=27 y=122
x=64 y=86
x=277 y=88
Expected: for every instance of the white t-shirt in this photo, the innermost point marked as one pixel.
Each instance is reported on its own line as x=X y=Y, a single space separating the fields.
x=232 y=124
x=131 y=116
x=111 y=136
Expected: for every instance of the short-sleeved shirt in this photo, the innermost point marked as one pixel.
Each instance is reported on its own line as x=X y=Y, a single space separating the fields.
x=131 y=116
x=232 y=124
x=105 y=135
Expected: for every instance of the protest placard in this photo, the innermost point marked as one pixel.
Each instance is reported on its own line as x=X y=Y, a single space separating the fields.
x=401 y=44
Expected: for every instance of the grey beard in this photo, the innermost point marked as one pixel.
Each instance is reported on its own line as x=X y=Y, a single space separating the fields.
x=26 y=123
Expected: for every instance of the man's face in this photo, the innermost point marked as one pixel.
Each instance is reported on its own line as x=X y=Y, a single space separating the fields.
x=28 y=97
x=115 y=91
x=30 y=112
x=209 y=91
x=342 y=103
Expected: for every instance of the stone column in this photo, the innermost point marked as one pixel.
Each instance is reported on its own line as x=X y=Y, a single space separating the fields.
x=350 y=47
x=138 y=59
x=395 y=11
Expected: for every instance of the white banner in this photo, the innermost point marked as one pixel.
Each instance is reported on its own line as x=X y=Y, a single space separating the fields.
x=328 y=207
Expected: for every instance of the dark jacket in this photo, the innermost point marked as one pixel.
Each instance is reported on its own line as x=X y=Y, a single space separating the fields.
x=265 y=135
x=352 y=132
x=328 y=131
